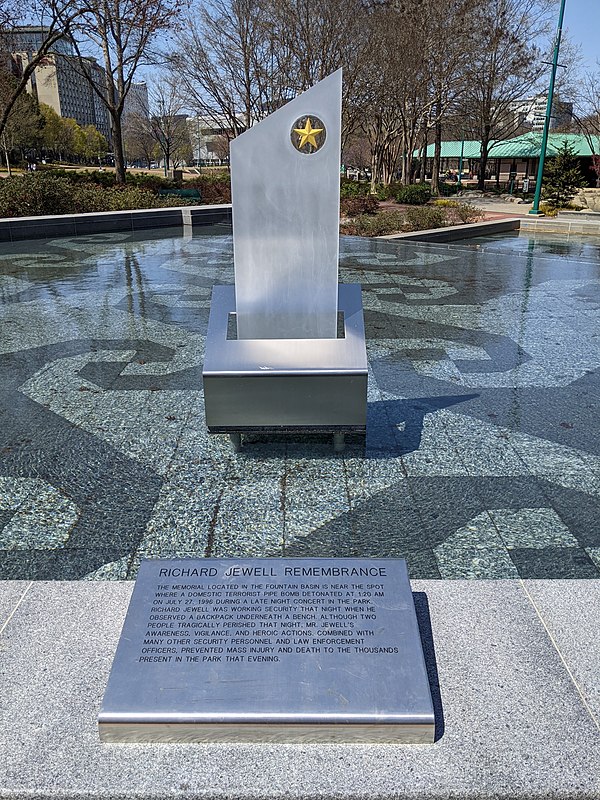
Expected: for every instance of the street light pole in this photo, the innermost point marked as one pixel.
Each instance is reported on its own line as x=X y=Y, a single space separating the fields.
x=538 y=186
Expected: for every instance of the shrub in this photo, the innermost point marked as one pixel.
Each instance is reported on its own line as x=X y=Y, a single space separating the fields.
x=421 y=219
x=459 y=212
x=214 y=187
x=448 y=189
x=87 y=198
x=98 y=177
x=416 y=194
x=467 y=213
x=30 y=195
x=548 y=210
x=33 y=194
x=381 y=224
x=353 y=189
x=106 y=179
x=353 y=206
x=151 y=182
x=383 y=192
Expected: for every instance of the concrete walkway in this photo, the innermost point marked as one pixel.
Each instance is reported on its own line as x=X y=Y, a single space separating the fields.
x=513 y=667
x=495 y=205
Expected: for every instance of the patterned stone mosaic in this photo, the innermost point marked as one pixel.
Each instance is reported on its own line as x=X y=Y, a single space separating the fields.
x=482 y=458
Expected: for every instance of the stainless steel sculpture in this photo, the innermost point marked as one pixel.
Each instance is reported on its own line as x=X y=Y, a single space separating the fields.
x=286 y=367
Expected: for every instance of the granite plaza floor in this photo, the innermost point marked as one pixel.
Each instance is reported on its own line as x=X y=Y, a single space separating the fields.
x=482 y=457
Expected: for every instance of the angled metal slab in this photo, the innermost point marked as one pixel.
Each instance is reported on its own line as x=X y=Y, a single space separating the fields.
x=286 y=218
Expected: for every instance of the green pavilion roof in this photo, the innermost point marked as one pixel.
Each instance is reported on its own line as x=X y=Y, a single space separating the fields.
x=472 y=149
x=525 y=146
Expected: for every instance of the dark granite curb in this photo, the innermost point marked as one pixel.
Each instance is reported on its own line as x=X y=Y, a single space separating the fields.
x=456 y=232
x=20 y=228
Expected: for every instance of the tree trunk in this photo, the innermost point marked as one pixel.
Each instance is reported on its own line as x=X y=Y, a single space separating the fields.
x=118 y=149
x=423 y=165
x=437 y=159
x=485 y=143
x=374 y=170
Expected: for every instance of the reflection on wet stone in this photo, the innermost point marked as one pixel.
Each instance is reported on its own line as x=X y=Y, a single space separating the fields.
x=482 y=457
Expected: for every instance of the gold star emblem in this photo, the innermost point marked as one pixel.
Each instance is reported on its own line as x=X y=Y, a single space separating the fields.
x=307 y=134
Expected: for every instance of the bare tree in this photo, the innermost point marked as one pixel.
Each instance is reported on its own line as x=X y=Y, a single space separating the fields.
x=222 y=62
x=165 y=121
x=139 y=142
x=123 y=31
x=449 y=52
x=239 y=60
x=316 y=37
x=506 y=66
x=587 y=115
x=415 y=74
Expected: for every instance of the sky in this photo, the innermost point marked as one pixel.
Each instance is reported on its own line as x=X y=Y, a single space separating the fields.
x=582 y=23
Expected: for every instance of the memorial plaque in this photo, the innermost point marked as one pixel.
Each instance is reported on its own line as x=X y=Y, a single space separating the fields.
x=269 y=650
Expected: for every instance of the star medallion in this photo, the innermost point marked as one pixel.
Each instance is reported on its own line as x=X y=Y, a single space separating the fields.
x=308 y=134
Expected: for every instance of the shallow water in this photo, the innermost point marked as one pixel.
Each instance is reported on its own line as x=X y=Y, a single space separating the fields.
x=482 y=457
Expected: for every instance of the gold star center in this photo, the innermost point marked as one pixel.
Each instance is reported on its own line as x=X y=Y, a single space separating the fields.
x=307 y=134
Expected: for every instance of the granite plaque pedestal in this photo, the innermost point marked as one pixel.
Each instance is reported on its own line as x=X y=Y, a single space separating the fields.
x=269 y=650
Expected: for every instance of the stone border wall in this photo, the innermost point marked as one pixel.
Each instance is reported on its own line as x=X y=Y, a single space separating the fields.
x=455 y=232
x=576 y=222
x=21 y=228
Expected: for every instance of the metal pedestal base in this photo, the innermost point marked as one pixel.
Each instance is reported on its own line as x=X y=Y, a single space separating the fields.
x=286 y=385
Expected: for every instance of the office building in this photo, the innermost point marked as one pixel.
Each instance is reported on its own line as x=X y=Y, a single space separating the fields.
x=61 y=81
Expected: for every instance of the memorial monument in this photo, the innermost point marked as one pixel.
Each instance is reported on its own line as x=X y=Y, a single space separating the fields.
x=285 y=348
x=277 y=649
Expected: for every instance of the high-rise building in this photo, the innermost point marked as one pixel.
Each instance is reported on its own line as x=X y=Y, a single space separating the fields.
x=61 y=85
x=59 y=80
x=29 y=38
x=531 y=112
x=136 y=102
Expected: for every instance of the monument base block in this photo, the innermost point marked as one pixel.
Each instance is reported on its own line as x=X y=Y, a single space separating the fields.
x=285 y=385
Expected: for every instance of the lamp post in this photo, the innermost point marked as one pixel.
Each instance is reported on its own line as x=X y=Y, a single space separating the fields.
x=538 y=186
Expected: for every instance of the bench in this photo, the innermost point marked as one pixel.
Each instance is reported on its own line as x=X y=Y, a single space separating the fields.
x=188 y=194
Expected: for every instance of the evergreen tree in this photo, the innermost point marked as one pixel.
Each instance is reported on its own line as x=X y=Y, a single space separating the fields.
x=562 y=177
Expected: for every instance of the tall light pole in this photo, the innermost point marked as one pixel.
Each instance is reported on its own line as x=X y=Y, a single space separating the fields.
x=538 y=186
